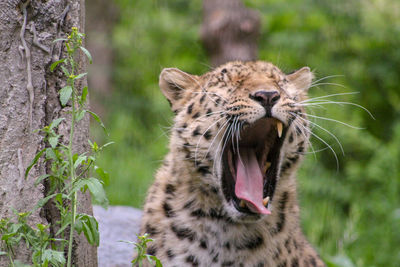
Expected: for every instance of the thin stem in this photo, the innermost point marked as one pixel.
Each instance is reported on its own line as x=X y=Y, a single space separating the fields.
x=84 y=171
x=41 y=247
x=72 y=171
x=9 y=256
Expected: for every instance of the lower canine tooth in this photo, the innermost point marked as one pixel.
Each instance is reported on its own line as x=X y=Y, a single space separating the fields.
x=279 y=128
x=242 y=204
x=265 y=201
x=266 y=167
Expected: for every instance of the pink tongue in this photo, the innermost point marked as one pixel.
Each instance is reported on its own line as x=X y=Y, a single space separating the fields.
x=249 y=181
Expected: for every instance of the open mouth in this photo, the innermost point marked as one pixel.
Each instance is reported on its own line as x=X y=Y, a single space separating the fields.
x=250 y=166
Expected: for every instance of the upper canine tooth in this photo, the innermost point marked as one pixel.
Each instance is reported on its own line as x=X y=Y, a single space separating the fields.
x=265 y=201
x=242 y=204
x=266 y=167
x=279 y=128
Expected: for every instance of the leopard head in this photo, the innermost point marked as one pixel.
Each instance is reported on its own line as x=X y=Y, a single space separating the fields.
x=242 y=128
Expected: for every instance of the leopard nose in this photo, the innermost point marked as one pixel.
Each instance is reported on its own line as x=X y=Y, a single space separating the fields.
x=266 y=98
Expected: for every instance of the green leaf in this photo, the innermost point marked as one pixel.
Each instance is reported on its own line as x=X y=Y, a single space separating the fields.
x=17 y=263
x=89 y=233
x=59 y=40
x=35 y=159
x=65 y=94
x=89 y=56
x=54 y=64
x=90 y=227
x=107 y=144
x=59 y=198
x=96 y=189
x=40 y=178
x=42 y=227
x=84 y=95
x=50 y=154
x=43 y=201
x=79 y=160
x=53 y=141
x=55 y=123
x=80 y=115
x=94 y=146
x=65 y=225
x=103 y=174
x=97 y=118
x=154 y=258
x=65 y=71
x=75 y=156
x=53 y=256
x=80 y=76
x=5 y=237
x=78 y=224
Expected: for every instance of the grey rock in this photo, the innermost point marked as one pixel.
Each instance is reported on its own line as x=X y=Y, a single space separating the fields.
x=115 y=224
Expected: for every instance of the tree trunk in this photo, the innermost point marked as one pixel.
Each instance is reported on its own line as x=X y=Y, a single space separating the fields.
x=229 y=31
x=101 y=16
x=29 y=101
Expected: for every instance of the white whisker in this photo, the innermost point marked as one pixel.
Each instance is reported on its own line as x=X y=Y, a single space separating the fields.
x=298 y=124
x=216 y=135
x=209 y=93
x=336 y=84
x=203 y=88
x=339 y=102
x=325 y=96
x=323 y=141
x=313 y=152
x=322 y=128
x=237 y=144
x=329 y=119
x=221 y=152
x=233 y=134
x=327 y=77
x=210 y=114
x=198 y=142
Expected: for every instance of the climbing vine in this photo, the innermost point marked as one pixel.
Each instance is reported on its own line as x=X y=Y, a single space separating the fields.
x=68 y=174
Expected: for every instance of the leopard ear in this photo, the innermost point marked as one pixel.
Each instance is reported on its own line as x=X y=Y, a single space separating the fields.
x=174 y=84
x=301 y=79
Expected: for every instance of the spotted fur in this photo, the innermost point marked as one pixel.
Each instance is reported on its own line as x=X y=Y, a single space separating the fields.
x=186 y=212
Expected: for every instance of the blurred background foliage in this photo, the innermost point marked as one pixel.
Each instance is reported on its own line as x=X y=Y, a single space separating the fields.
x=350 y=208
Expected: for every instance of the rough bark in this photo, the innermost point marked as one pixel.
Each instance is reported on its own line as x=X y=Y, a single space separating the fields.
x=24 y=108
x=229 y=31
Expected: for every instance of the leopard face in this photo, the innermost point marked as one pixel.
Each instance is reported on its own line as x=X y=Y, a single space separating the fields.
x=243 y=130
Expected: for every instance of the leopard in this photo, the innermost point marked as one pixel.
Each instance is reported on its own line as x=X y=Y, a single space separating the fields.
x=226 y=192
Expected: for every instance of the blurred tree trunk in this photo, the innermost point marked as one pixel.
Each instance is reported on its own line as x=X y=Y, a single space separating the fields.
x=229 y=31
x=101 y=16
x=29 y=101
